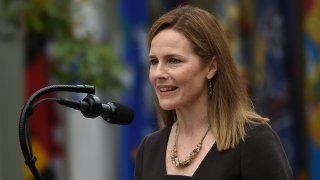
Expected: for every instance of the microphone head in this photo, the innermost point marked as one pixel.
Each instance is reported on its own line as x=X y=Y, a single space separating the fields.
x=121 y=114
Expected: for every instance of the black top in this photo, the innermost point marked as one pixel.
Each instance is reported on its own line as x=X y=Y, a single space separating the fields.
x=259 y=156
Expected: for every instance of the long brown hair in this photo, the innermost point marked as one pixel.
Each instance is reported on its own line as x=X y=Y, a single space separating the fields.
x=229 y=107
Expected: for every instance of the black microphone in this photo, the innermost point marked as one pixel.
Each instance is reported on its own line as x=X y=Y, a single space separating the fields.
x=91 y=107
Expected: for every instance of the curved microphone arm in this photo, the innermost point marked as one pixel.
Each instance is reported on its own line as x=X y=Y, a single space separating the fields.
x=26 y=112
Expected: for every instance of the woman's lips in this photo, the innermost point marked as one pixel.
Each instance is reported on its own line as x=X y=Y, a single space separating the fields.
x=166 y=90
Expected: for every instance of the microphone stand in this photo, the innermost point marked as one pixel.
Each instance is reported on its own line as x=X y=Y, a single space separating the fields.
x=26 y=112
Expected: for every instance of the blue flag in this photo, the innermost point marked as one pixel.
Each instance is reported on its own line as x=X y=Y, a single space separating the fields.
x=274 y=95
x=134 y=19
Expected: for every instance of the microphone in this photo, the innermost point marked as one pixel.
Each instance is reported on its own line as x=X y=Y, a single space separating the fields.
x=91 y=107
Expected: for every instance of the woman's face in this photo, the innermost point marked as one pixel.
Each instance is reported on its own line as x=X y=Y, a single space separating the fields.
x=176 y=72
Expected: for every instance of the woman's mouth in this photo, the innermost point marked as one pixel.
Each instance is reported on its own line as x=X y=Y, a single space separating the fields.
x=167 y=89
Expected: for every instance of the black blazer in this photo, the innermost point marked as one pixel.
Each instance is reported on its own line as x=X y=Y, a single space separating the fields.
x=259 y=157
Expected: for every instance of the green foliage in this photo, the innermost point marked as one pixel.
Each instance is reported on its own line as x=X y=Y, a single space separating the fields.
x=46 y=17
x=73 y=59
x=94 y=63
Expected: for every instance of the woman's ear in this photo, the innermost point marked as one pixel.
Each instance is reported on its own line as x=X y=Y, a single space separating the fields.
x=212 y=68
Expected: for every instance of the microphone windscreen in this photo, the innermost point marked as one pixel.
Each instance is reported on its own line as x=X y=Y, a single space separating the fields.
x=121 y=115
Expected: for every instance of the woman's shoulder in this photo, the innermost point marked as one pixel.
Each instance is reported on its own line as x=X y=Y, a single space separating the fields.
x=261 y=136
x=262 y=139
x=259 y=130
x=158 y=136
x=263 y=155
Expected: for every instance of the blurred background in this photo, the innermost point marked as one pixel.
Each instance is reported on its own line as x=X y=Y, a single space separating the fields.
x=276 y=44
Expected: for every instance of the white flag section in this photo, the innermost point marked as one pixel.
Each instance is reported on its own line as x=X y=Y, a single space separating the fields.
x=11 y=95
x=91 y=143
x=91 y=147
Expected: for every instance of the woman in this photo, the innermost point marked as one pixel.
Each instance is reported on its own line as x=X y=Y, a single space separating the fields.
x=209 y=128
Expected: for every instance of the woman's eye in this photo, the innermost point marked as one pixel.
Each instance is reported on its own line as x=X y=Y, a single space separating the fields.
x=174 y=61
x=153 y=61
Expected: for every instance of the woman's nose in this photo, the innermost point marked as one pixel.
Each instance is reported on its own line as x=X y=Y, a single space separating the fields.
x=161 y=72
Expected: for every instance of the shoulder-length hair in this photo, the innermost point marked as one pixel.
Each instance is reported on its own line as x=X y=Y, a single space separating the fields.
x=229 y=107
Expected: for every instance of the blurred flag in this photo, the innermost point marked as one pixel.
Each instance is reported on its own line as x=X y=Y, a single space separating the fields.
x=228 y=13
x=168 y=5
x=234 y=16
x=312 y=83
x=273 y=78
x=134 y=20
x=43 y=121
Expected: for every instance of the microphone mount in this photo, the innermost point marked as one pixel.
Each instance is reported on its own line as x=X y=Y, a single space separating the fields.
x=26 y=112
x=95 y=106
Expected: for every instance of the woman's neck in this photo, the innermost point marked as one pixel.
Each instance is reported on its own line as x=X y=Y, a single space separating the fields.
x=192 y=121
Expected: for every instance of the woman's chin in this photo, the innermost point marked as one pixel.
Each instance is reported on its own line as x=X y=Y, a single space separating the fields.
x=167 y=107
